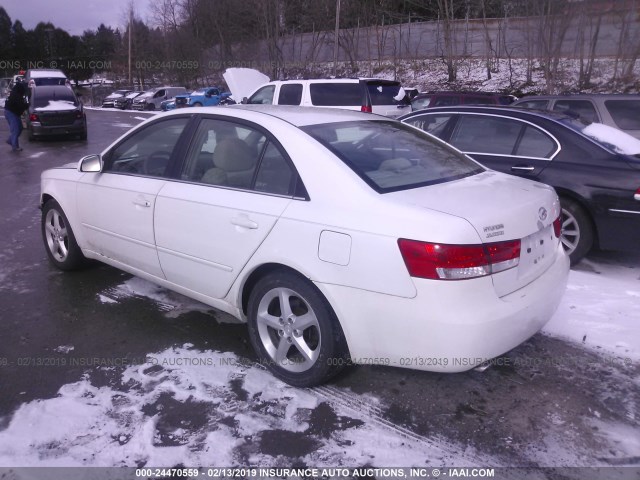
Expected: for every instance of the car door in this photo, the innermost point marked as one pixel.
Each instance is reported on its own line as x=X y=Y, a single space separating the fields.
x=235 y=184
x=116 y=206
x=509 y=145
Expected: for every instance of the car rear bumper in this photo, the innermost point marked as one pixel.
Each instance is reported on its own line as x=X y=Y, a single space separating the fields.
x=449 y=326
x=77 y=128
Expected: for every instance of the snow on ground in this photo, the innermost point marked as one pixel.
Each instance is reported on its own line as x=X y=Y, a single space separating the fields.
x=601 y=307
x=193 y=407
x=184 y=406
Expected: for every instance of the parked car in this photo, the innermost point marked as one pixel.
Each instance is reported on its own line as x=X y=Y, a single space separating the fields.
x=125 y=102
x=109 y=100
x=417 y=257
x=203 y=97
x=595 y=169
x=616 y=110
x=442 y=99
x=152 y=99
x=55 y=110
x=384 y=97
x=168 y=105
x=36 y=77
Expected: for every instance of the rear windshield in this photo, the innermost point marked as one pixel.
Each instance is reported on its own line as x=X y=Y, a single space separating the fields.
x=45 y=98
x=41 y=81
x=336 y=94
x=384 y=93
x=391 y=156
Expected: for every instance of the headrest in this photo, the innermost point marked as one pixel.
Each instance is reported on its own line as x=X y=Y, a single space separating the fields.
x=233 y=155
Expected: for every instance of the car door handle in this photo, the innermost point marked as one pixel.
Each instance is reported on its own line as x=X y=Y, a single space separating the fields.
x=523 y=168
x=142 y=202
x=244 y=221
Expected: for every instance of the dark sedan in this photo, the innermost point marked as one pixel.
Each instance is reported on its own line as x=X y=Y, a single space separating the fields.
x=594 y=168
x=55 y=110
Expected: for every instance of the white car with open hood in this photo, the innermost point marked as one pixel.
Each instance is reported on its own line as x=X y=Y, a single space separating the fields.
x=338 y=236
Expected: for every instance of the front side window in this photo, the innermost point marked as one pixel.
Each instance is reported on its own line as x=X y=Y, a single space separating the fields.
x=148 y=151
x=391 y=156
x=290 y=94
x=336 y=94
x=583 y=108
x=486 y=134
x=159 y=94
x=264 y=96
x=625 y=113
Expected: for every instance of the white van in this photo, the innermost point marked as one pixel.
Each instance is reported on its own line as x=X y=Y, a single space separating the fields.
x=151 y=99
x=373 y=95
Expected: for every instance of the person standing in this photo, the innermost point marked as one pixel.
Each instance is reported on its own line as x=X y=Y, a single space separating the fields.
x=14 y=106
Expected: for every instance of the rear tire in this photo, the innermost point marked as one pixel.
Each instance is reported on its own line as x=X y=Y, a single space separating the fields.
x=577 y=230
x=294 y=330
x=59 y=241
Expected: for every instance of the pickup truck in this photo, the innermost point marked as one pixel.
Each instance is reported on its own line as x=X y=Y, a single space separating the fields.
x=203 y=97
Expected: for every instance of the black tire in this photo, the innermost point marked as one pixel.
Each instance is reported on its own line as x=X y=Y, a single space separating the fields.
x=197 y=104
x=323 y=340
x=83 y=136
x=151 y=107
x=32 y=137
x=58 y=237
x=577 y=230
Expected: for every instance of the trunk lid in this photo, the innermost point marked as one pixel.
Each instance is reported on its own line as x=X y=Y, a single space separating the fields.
x=499 y=207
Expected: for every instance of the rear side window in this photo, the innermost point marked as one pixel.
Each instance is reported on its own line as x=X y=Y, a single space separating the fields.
x=625 y=113
x=383 y=93
x=584 y=108
x=336 y=94
x=535 y=143
x=486 y=134
x=290 y=94
x=391 y=156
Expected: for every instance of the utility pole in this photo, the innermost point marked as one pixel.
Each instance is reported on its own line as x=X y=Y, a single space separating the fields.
x=130 y=28
x=337 y=36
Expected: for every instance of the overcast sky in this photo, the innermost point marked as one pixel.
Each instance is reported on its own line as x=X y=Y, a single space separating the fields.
x=74 y=16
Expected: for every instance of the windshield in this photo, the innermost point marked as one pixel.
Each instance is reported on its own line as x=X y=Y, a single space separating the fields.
x=146 y=94
x=609 y=137
x=133 y=95
x=391 y=156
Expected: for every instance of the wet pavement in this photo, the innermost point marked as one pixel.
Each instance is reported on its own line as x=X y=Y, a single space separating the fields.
x=546 y=403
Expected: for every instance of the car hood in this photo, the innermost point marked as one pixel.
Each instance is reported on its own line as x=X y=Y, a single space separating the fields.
x=242 y=82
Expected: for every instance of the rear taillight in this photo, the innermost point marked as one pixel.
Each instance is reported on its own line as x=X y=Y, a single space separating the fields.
x=458 y=262
x=557 y=226
x=366 y=109
x=34 y=118
x=637 y=195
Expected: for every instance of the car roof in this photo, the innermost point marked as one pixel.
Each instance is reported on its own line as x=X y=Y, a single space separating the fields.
x=574 y=96
x=298 y=116
x=523 y=113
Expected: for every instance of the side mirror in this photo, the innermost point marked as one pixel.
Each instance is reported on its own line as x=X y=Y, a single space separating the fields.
x=245 y=100
x=90 y=163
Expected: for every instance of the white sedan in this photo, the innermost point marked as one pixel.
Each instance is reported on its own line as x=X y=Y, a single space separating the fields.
x=337 y=236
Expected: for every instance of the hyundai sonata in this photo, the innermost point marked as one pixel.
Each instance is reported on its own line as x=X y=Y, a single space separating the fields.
x=338 y=236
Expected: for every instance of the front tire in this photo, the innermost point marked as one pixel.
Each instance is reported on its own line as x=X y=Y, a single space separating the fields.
x=197 y=104
x=294 y=330
x=577 y=230
x=59 y=241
